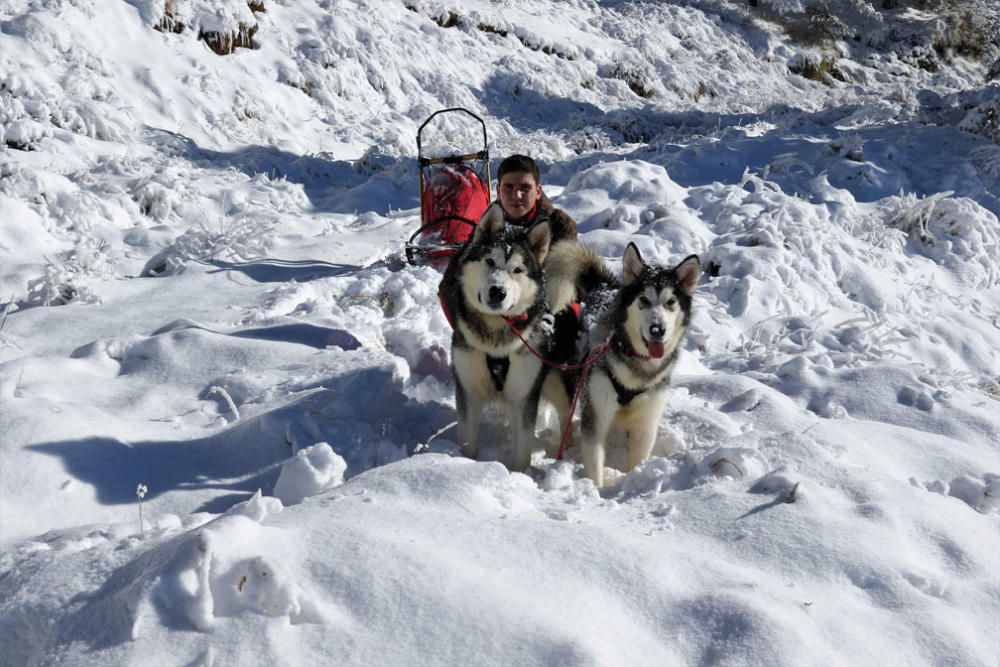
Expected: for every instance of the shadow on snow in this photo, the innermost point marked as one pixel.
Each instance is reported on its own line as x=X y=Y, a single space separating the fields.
x=332 y=186
x=363 y=415
x=870 y=157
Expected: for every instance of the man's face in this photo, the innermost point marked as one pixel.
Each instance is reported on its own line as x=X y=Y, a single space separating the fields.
x=518 y=192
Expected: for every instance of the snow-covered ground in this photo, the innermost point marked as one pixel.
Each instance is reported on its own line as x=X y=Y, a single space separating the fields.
x=825 y=488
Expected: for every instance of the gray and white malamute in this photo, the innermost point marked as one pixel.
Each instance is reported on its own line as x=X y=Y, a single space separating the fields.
x=642 y=318
x=496 y=280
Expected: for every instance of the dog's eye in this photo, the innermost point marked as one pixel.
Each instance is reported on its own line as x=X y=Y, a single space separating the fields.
x=671 y=302
x=644 y=302
x=519 y=269
x=490 y=263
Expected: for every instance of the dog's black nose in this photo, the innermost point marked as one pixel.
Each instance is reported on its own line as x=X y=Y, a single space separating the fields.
x=656 y=331
x=497 y=294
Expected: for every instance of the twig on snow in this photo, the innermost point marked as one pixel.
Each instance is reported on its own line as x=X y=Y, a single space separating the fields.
x=790 y=497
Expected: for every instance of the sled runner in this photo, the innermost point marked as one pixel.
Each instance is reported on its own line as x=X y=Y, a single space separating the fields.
x=454 y=194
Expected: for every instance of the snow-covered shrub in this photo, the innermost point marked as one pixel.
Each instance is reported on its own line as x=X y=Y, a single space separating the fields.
x=781 y=6
x=240 y=239
x=635 y=72
x=73 y=92
x=984 y=119
x=22 y=116
x=968 y=29
x=922 y=33
x=814 y=65
x=955 y=232
x=67 y=279
x=821 y=21
x=31 y=109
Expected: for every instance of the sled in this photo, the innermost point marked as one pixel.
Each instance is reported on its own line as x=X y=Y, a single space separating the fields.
x=454 y=194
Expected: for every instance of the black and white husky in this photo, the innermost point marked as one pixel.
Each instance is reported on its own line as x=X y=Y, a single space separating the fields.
x=642 y=318
x=494 y=282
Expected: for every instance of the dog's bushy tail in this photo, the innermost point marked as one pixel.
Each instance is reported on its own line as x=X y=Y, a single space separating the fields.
x=571 y=271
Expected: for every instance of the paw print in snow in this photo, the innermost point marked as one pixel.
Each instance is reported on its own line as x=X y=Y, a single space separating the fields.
x=916 y=398
x=982 y=495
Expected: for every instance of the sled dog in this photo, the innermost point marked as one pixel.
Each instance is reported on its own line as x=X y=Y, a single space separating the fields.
x=494 y=282
x=642 y=318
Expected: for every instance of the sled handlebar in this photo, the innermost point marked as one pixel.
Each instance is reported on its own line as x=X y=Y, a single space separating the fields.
x=420 y=132
x=453 y=159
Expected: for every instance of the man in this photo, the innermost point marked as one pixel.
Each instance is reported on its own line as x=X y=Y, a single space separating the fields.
x=519 y=194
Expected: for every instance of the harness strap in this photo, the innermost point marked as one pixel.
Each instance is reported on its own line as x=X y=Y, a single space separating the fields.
x=498 y=367
x=625 y=395
x=584 y=368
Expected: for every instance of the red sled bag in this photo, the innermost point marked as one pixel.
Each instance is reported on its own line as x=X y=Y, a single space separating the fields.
x=454 y=195
x=453 y=201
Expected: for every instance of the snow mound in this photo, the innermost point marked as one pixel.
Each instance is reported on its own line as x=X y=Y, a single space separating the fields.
x=237 y=565
x=592 y=195
x=955 y=232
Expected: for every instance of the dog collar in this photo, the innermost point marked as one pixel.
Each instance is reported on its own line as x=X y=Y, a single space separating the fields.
x=625 y=348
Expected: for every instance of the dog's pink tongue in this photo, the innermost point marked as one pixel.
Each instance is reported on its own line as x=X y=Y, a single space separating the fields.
x=655 y=348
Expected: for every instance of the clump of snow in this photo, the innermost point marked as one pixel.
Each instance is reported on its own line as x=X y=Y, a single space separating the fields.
x=312 y=470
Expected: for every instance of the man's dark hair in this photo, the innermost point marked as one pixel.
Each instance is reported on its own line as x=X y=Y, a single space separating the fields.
x=515 y=163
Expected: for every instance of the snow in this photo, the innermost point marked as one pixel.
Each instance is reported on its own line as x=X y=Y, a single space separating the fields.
x=312 y=470
x=200 y=294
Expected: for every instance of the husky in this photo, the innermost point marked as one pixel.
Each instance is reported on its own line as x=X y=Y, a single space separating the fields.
x=642 y=319
x=494 y=285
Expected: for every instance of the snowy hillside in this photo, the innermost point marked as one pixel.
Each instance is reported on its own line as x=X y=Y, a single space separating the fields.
x=202 y=204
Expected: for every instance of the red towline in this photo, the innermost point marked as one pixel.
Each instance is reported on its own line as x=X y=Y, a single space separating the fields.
x=584 y=368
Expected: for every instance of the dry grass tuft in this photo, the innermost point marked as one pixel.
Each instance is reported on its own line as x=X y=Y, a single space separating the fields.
x=222 y=43
x=225 y=43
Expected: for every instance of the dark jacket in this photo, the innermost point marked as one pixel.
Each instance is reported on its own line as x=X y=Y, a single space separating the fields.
x=563 y=226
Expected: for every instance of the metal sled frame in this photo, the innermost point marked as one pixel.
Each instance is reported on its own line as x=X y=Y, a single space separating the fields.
x=415 y=252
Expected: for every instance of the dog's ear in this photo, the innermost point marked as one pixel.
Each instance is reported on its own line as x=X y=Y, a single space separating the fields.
x=539 y=239
x=688 y=272
x=632 y=265
x=491 y=224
